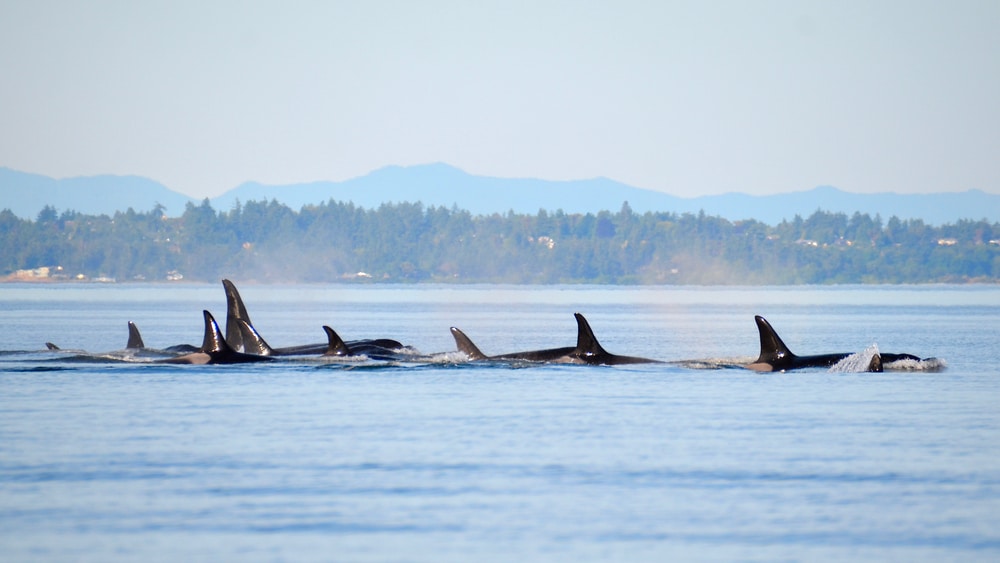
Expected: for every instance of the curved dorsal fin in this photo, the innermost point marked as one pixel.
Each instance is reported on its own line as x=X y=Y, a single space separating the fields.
x=772 y=349
x=213 y=341
x=336 y=346
x=466 y=346
x=235 y=311
x=253 y=342
x=134 y=338
x=586 y=342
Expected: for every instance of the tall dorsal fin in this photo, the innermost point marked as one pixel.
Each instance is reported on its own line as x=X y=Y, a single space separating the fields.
x=253 y=342
x=586 y=342
x=235 y=311
x=213 y=341
x=772 y=349
x=336 y=346
x=134 y=338
x=466 y=346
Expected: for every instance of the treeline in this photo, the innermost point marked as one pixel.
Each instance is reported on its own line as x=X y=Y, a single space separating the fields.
x=406 y=242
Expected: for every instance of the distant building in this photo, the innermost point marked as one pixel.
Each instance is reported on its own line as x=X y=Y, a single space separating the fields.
x=43 y=273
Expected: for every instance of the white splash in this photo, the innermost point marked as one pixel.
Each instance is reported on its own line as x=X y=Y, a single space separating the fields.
x=860 y=362
x=856 y=363
x=927 y=365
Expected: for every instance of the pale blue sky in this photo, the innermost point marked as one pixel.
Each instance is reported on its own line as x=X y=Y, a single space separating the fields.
x=689 y=98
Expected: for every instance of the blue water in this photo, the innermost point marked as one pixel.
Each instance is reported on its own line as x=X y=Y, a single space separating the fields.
x=103 y=460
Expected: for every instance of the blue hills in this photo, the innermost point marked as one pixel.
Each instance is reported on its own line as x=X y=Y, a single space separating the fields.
x=26 y=194
x=446 y=186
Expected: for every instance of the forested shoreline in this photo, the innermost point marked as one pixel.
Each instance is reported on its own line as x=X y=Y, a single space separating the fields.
x=406 y=242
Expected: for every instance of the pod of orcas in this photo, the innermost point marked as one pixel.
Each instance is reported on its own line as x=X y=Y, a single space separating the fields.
x=242 y=343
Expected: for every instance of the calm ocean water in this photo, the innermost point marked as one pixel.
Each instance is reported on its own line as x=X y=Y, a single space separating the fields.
x=313 y=461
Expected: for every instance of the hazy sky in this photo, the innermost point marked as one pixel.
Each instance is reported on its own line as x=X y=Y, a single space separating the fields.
x=688 y=98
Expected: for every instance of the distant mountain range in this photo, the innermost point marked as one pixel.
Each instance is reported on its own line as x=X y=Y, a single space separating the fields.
x=443 y=185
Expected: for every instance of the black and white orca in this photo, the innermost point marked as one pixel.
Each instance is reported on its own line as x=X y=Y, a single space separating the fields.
x=214 y=349
x=587 y=350
x=243 y=336
x=775 y=355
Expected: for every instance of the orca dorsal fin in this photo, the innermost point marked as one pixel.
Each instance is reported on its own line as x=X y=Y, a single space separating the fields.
x=336 y=346
x=772 y=349
x=235 y=311
x=134 y=338
x=213 y=342
x=466 y=346
x=586 y=342
x=253 y=342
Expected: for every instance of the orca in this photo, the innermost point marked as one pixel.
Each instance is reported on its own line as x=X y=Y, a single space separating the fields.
x=587 y=350
x=214 y=349
x=337 y=347
x=590 y=351
x=243 y=336
x=254 y=343
x=466 y=346
x=775 y=355
x=135 y=342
